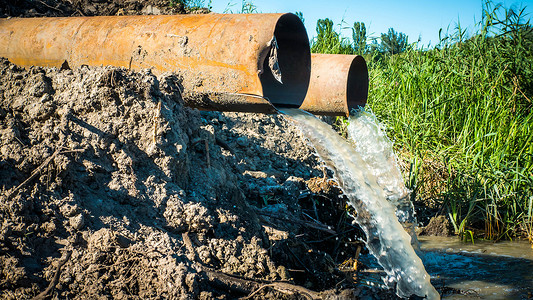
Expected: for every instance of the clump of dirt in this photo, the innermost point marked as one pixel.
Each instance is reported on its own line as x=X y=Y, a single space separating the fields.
x=438 y=226
x=110 y=187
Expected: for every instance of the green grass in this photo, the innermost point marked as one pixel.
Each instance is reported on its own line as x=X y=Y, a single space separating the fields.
x=191 y=5
x=461 y=115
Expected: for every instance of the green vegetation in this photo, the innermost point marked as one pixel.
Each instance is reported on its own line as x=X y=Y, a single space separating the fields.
x=359 y=37
x=461 y=117
x=190 y=5
x=393 y=42
x=246 y=7
x=329 y=41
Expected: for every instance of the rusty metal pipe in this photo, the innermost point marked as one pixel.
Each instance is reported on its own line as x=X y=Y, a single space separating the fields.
x=227 y=62
x=338 y=84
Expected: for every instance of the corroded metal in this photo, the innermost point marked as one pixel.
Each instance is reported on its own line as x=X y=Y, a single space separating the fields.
x=242 y=62
x=338 y=84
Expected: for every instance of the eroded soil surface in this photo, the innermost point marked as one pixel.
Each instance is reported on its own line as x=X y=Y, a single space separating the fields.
x=110 y=187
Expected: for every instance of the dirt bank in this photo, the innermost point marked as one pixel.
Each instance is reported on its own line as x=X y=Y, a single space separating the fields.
x=111 y=188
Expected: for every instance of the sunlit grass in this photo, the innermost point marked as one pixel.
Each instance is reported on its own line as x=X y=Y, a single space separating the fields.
x=461 y=114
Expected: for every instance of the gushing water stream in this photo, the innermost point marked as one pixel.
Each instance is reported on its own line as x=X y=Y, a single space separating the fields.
x=386 y=238
x=376 y=150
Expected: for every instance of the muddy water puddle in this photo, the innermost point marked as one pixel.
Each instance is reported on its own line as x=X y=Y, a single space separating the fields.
x=458 y=270
x=483 y=270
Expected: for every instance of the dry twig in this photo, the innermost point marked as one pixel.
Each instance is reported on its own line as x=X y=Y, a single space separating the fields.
x=35 y=172
x=157 y=117
x=224 y=145
x=286 y=288
x=207 y=154
x=51 y=7
x=54 y=281
x=316 y=225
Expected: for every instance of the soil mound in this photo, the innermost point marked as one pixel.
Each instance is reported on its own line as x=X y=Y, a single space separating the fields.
x=110 y=187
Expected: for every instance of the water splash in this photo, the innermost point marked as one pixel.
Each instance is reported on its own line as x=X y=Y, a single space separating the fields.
x=386 y=238
x=376 y=150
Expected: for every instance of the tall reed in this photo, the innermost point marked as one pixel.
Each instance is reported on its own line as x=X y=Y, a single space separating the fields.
x=461 y=115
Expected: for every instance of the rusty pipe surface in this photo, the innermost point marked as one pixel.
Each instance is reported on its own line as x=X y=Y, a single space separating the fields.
x=338 y=84
x=227 y=62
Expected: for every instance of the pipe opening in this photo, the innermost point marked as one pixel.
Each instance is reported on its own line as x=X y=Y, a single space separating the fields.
x=357 y=85
x=290 y=62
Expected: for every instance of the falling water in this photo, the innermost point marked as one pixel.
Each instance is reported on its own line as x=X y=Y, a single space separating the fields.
x=386 y=238
x=376 y=150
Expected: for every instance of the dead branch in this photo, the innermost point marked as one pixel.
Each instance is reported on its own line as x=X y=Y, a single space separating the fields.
x=35 y=172
x=298 y=260
x=54 y=281
x=372 y=271
x=207 y=154
x=224 y=145
x=225 y=281
x=252 y=287
x=316 y=225
x=286 y=288
x=72 y=151
x=156 y=118
x=51 y=7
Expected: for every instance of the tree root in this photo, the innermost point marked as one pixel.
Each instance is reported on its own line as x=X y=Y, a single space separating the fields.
x=54 y=281
x=246 y=286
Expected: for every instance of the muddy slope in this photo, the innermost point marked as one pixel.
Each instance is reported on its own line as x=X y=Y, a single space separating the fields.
x=109 y=187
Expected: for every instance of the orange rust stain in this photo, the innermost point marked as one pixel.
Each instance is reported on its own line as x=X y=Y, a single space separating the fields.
x=78 y=40
x=36 y=62
x=170 y=64
x=188 y=62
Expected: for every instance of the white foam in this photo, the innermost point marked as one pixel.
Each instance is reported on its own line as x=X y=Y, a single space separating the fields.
x=375 y=148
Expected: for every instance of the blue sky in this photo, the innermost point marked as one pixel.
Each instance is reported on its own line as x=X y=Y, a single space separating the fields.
x=415 y=18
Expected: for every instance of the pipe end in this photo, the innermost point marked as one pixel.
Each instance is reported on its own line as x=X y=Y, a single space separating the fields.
x=357 y=84
x=287 y=66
